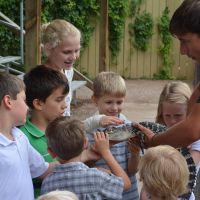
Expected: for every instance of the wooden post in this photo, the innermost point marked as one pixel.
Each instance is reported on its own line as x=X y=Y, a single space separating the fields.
x=32 y=36
x=103 y=36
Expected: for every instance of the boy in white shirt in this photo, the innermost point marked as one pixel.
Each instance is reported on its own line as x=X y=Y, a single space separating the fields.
x=19 y=162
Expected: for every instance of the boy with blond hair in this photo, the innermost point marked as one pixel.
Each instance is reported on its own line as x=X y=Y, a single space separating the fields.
x=164 y=173
x=109 y=91
x=19 y=162
x=66 y=139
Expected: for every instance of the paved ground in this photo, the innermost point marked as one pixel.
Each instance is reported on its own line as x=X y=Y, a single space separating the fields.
x=140 y=104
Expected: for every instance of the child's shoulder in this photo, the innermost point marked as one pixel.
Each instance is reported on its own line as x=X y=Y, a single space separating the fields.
x=30 y=129
x=18 y=137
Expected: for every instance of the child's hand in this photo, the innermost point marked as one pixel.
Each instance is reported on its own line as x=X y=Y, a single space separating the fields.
x=110 y=120
x=133 y=146
x=101 y=143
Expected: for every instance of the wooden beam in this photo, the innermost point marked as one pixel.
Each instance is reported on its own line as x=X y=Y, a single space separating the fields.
x=32 y=36
x=79 y=76
x=103 y=36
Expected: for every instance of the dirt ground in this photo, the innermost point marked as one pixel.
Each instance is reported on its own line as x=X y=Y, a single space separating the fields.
x=140 y=103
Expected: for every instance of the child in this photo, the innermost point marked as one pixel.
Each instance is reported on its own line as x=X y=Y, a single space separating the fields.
x=172 y=108
x=164 y=173
x=46 y=90
x=61 y=42
x=66 y=140
x=19 y=162
x=109 y=93
x=58 y=195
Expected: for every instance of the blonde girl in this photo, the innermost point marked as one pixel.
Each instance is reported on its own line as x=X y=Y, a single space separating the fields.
x=61 y=42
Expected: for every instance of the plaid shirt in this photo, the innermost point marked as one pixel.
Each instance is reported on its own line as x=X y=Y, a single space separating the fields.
x=121 y=154
x=86 y=183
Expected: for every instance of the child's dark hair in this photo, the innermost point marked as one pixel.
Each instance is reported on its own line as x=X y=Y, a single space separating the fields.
x=41 y=81
x=10 y=85
x=65 y=137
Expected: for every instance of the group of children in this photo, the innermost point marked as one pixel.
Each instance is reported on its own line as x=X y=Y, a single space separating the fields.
x=62 y=153
x=61 y=141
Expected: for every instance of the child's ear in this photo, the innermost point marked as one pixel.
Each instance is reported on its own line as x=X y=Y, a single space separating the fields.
x=47 y=49
x=37 y=104
x=53 y=155
x=85 y=144
x=94 y=99
x=7 y=101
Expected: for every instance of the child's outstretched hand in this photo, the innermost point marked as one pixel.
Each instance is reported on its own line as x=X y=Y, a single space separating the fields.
x=110 y=120
x=101 y=144
x=133 y=146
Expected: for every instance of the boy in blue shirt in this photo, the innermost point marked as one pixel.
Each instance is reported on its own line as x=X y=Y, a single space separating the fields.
x=109 y=92
x=66 y=139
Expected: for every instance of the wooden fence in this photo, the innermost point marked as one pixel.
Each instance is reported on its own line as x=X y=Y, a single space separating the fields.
x=132 y=63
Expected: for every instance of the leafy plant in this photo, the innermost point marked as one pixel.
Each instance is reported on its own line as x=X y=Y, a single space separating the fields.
x=77 y=12
x=117 y=13
x=134 y=7
x=142 y=30
x=9 y=41
x=164 y=49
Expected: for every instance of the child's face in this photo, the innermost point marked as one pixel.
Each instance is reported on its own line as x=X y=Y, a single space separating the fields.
x=66 y=53
x=19 y=109
x=173 y=113
x=54 y=106
x=109 y=105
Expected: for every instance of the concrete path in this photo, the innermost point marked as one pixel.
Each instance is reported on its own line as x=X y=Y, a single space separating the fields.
x=140 y=103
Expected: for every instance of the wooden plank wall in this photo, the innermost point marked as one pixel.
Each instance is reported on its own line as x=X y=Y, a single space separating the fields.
x=134 y=64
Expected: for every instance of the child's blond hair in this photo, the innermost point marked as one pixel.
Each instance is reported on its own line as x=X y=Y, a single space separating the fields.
x=173 y=92
x=109 y=83
x=57 y=31
x=58 y=195
x=164 y=172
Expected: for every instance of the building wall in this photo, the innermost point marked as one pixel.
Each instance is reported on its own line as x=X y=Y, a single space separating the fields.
x=132 y=63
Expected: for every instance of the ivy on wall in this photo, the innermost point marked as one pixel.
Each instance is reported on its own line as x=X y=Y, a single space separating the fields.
x=165 y=46
x=79 y=13
x=141 y=29
x=9 y=41
x=117 y=13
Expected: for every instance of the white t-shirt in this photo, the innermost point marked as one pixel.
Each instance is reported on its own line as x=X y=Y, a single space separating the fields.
x=19 y=163
x=69 y=74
